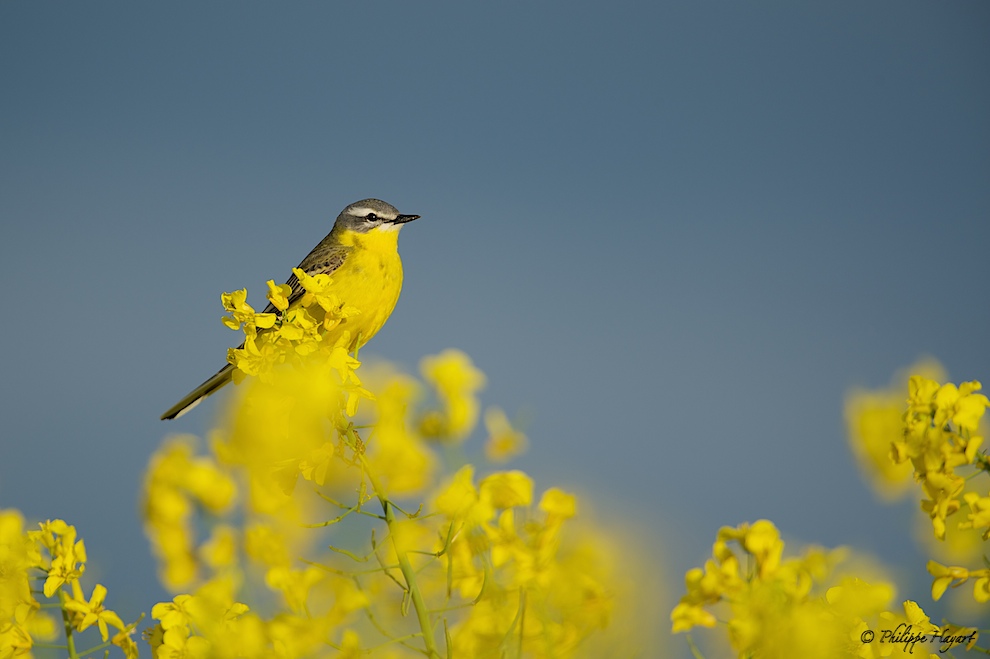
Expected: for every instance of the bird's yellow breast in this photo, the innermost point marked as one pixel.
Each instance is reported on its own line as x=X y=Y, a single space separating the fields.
x=369 y=279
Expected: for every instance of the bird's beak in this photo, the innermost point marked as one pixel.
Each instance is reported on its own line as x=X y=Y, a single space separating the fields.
x=402 y=219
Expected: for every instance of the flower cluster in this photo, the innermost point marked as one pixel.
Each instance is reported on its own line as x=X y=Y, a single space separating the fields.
x=507 y=558
x=176 y=483
x=55 y=553
x=323 y=519
x=940 y=435
x=936 y=435
x=803 y=606
x=293 y=332
x=457 y=382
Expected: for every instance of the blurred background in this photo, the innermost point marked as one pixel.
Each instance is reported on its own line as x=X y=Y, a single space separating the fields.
x=672 y=235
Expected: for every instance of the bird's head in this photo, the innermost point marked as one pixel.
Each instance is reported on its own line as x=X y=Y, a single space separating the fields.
x=367 y=214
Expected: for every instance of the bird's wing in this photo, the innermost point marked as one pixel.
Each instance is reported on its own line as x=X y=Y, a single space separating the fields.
x=325 y=263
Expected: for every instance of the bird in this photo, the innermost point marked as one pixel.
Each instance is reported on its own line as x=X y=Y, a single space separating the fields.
x=361 y=253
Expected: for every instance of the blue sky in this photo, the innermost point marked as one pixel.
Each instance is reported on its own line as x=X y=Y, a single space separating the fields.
x=673 y=235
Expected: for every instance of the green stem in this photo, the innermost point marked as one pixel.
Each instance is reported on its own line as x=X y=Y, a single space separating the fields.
x=408 y=573
x=70 y=642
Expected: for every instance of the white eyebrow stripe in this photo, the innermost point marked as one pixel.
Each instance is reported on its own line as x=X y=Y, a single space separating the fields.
x=362 y=211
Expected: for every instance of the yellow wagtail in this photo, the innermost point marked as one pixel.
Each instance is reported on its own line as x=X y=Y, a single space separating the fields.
x=361 y=252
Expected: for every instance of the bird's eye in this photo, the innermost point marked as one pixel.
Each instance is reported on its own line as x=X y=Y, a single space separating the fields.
x=371 y=217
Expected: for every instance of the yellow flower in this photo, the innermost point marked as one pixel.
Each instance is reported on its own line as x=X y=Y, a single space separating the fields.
x=209 y=484
x=507 y=489
x=18 y=553
x=350 y=645
x=68 y=556
x=315 y=466
x=293 y=636
x=220 y=550
x=175 y=614
x=762 y=540
x=921 y=392
x=959 y=546
x=944 y=577
x=279 y=295
x=254 y=360
x=348 y=597
x=299 y=332
x=15 y=640
x=558 y=504
x=265 y=544
x=175 y=480
x=294 y=584
x=855 y=598
x=243 y=313
x=461 y=501
x=979 y=517
x=981 y=585
x=93 y=612
x=319 y=292
x=395 y=451
x=960 y=405
x=686 y=616
x=708 y=585
x=917 y=618
x=457 y=382
x=504 y=442
x=177 y=644
x=123 y=640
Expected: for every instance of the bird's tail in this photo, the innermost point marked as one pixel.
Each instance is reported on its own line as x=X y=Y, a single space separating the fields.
x=194 y=397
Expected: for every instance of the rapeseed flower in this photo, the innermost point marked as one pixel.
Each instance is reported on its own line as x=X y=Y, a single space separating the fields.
x=811 y=605
x=92 y=612
x=457 y=383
